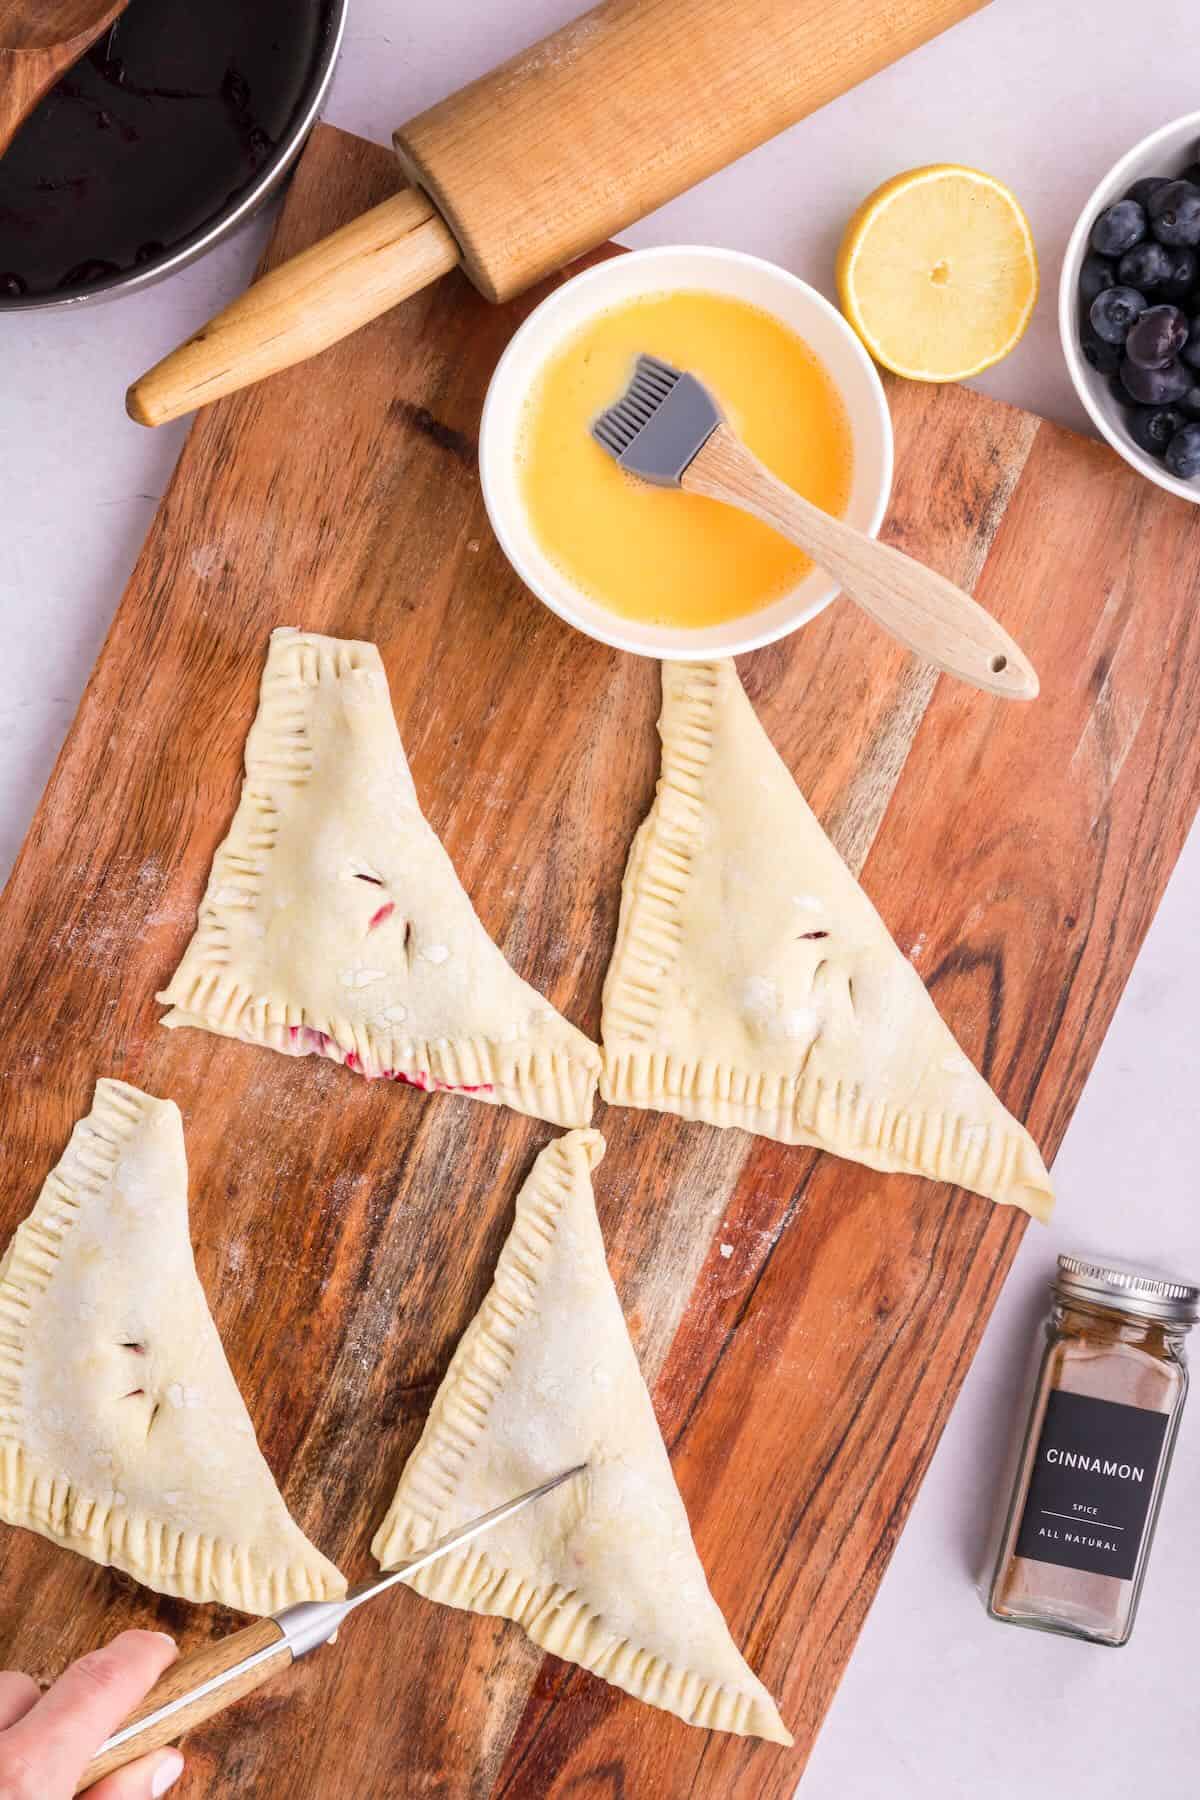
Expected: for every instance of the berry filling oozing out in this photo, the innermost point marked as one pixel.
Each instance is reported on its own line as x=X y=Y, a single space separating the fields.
x=309 y=1042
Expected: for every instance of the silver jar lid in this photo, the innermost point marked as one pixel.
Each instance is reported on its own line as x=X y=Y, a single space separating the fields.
x=1133 y=1291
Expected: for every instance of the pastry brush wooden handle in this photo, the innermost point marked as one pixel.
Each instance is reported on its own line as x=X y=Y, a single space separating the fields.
x=264 y=1641
x=305 y=305
x=921 y=608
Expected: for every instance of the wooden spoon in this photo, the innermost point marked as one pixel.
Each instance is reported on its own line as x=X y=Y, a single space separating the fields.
x=39 y=41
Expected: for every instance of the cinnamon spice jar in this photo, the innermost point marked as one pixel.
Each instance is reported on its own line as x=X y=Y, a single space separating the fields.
x=1110 y=1389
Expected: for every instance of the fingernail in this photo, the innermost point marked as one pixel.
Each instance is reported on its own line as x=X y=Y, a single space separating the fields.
x=166 y=1638
x=169 y=1770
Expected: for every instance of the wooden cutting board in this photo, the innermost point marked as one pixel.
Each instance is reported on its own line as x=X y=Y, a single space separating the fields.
x=346 y=1231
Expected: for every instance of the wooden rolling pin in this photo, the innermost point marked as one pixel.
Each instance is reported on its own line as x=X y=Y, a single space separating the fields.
x=546 y=157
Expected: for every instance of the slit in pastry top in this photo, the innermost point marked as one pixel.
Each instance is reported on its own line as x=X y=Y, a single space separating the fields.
x=334 y=923
x=753 y=983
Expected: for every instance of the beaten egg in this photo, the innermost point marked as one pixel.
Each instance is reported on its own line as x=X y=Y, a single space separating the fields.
x=660 y=555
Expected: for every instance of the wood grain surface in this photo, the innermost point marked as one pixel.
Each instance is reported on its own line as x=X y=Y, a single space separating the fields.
x=635 y=101
x=346 y=1231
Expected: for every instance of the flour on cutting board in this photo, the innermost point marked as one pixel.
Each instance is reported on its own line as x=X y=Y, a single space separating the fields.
x=117 y=909
x=206 y=560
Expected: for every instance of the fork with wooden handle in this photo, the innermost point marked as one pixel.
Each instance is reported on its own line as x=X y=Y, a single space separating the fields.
x=667 y=429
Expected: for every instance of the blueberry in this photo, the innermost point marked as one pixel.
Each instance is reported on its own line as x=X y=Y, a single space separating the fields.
x=1142 y=190
x=1191 y=350
x=1190 y=403
x=1155 y=387
x=1114 y=311
x=1156 y=337
x=1191 y=173
x=1153 y=427
x=1146 y=266
x=1183 y=453
x=1175 y=213
x=1104 y=358
x=1120 y=227
x=1097 y=273
x=1119 y=391
x=1184 y=272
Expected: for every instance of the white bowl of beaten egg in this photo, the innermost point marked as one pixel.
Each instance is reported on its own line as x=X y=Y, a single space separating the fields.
x=653 y=570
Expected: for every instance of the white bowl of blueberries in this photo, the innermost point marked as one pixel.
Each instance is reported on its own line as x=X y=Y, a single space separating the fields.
x=1129 y=307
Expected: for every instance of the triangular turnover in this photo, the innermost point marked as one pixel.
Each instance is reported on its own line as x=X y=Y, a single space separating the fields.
x=334 y=923
x=754 y=984
x=122 y=1431
x=603 y=1571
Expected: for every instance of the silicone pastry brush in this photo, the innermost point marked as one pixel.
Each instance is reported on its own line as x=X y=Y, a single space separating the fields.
x=197 y=1687
x=668 y=429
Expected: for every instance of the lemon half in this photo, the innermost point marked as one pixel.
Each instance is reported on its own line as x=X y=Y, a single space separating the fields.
x=937 y=272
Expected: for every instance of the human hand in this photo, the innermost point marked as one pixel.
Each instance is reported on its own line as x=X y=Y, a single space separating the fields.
x=47 y=1740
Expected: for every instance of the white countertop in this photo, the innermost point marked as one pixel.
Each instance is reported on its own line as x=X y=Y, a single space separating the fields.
x=938 y=1702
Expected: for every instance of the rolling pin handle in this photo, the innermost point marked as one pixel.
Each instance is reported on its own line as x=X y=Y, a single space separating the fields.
x=302 y=307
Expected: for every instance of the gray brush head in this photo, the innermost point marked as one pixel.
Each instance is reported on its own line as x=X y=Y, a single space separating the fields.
x=659 y=424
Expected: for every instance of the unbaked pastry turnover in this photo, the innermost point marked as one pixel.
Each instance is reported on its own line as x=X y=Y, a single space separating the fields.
x=122 y=1432
x=603 y=1571
x=334 y=923
x=754 y=984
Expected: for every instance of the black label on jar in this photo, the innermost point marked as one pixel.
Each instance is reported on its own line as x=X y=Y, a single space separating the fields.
x=1092 y=1482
